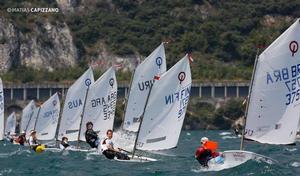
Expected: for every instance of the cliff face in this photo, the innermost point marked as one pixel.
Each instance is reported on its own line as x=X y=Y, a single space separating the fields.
x=47 y=46
x=67 y=5
x=103 y=59
x=9 y=44
x=51 y=48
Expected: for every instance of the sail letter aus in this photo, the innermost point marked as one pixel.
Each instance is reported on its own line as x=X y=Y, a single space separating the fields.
x=74 y=103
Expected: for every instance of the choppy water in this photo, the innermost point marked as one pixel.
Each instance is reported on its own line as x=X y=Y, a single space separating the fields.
x=16 y=160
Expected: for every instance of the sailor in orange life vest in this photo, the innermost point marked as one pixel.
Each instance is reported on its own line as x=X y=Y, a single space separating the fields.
x=206 y=151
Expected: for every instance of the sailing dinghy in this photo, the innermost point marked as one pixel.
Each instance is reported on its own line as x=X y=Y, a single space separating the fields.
x=143 y=78
x=32 y=120
x=273 y=111
x=72 y=111
x=73 y=107
x=47 y=120
x=100 y=105
x=99 y=108
x=27 y=113
x=164 y=112
x=11 y=122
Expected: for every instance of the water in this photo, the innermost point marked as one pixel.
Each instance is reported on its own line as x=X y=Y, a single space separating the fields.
x=16 y=160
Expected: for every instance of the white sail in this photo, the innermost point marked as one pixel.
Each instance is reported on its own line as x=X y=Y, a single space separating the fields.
x=32 y=121
x=72 y=111
x=10 y=126
x=153 y=65
x=27 y=114
x=1 y=111
x=101 y=104
x=47 y=121
x=273 y=112
x=166 y=108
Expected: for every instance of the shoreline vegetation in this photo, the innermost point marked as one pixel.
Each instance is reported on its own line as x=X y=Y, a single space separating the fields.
x=221 y=35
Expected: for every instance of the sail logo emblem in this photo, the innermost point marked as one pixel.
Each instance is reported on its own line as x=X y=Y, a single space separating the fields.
x=111 y=82
x=294 y=47
x=181 y=76
x=88 y=82
x=158 y=61
x=54 y=102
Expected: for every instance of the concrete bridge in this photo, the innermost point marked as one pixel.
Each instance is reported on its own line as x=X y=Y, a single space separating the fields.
x=29 y=91
x=16 y=96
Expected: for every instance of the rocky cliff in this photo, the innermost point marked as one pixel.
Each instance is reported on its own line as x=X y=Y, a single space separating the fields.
x=9 y=44
x=41 y=41
x=46 y=46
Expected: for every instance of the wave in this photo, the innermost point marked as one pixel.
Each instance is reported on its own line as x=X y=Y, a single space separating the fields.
x=225 y=133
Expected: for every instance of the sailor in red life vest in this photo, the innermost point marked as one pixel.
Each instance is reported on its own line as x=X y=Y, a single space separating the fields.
x=204 y=154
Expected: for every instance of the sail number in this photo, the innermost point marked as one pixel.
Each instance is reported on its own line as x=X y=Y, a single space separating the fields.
x=140 y=144
x=292 y=97
x=249 y=132
x=294 y=93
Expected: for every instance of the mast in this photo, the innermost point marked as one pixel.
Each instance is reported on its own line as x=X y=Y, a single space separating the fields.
x=37 y=118
x=81 y=116
x=59 y=119
x=2 y=114
x=141 y=120
x=126 y=100
x=249 y=97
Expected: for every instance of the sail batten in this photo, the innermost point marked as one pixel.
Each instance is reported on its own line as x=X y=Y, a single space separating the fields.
x=273 y=112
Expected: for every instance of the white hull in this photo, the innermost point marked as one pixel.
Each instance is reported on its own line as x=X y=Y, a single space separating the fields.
x=137 y=159
x=234 y=158
x=69 y=149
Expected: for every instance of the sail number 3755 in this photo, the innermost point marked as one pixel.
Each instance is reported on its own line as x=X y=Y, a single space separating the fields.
x=292 y=97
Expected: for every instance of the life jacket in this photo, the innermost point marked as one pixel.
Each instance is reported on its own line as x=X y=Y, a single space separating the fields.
x=103 y=145
x=211 y=145
x=104 y=141
x=90 y=136
x=21 y=140
x=65 y=144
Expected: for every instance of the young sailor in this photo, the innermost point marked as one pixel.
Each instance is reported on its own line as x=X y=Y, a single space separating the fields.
x=203 y=154
x=91 y=136
x=108 y=150
x=21 y=138
x=33 y=140
x=64 y=143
